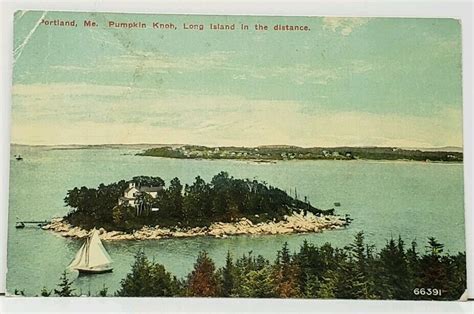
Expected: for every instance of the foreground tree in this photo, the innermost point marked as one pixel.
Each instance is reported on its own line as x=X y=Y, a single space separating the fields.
x=203 y=280
x=64 y=287
x=286 y=273
x=356 y=271
x=148 y=279
x=228 y=277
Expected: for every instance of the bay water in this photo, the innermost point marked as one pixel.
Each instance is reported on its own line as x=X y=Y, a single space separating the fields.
x=415 y=200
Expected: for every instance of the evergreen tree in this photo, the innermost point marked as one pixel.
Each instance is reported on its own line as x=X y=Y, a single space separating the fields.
x=203 y=280
x=311 y=285
x=64 y=287
x=286 y=273
x=103 y=291
x=361 y=284
x=176 y=197
x=413 y=265
x=257 y=283
x=228 y=276
x=328 y=287
x=147 y=279
x=433 y=272
x=391 y=279
x=45 y=292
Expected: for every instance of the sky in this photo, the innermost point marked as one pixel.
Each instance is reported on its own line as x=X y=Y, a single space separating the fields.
x=346 y=82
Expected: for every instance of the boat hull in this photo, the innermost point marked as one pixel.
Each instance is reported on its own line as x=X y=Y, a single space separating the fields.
x=93 y=271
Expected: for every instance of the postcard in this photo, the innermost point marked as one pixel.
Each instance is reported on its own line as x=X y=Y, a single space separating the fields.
x=236 y=156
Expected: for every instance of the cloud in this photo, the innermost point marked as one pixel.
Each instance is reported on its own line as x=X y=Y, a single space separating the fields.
x=145 y=63
x=343 y=25
x=63 y=89
x=154 y=62
x=89 y=114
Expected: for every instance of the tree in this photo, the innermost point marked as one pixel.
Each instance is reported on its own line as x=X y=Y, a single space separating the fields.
x=203 y=281
x=228 y=276
x=103 y=291
x=147 y=279
x=392 y=278
x=258 y=283
x=148 y=181
x=176 y=198
x=433 y=270
x=125 y=218
x=286 y=273
x=64 y=287
x=360 y=283
x=45 y=292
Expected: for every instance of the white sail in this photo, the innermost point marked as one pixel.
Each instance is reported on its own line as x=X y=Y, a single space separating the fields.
x=92 y=256
x=79 y=259
x=98 y=256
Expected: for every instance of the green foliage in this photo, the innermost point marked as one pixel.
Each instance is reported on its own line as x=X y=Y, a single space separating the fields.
x=267 y=153
x=148 y=181
x=103 y=291
x=354 y=272
x=200 y=204
x=394 y=277
x=228 y=277
x=286 y=273
x=94 y=207
x=257 y=284
x=203 y=281
x=148 y=279
x=64 y=287
x=19 y=292
x=45 y=292
x=253 y=277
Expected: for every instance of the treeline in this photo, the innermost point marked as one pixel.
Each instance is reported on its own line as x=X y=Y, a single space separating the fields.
x=356 y=271
x=224 y=199
x=353 y=272
x=302 y=153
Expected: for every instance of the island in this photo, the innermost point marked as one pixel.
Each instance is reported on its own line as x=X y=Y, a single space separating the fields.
x=285 y=152
x=144 y=208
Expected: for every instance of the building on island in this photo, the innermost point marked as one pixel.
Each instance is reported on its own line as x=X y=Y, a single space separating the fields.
x=132 y=194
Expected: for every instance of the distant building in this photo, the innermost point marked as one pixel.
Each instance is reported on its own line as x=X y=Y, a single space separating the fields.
x=131 y=194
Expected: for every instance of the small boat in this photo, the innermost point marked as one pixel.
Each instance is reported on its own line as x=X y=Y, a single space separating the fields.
x=337 y=204
x=19 y=225
x=92 y=258
x=19 y=158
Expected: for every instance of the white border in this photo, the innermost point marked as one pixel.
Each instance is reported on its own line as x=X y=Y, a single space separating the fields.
x=401 y=8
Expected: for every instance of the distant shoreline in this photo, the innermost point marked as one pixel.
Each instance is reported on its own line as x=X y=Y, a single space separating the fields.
x=131 y=145
x=274 y=153
x=268 y=154
x=253 y=161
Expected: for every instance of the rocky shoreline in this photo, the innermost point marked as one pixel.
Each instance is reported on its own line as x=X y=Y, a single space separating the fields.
x=296 y=223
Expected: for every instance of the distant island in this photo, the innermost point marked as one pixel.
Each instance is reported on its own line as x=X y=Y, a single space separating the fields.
x=283 y=152
x=143 y=208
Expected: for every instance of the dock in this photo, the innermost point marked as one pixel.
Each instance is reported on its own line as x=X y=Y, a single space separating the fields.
x=24 y=223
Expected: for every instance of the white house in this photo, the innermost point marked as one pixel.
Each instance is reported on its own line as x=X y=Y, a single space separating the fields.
x=131 y=194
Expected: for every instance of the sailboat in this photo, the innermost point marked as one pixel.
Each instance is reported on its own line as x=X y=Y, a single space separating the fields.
x=92 y=258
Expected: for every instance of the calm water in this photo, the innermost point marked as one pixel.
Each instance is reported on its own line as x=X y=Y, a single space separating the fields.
x=411 y=199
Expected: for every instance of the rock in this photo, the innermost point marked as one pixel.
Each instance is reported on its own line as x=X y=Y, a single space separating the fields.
x=296 y=223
